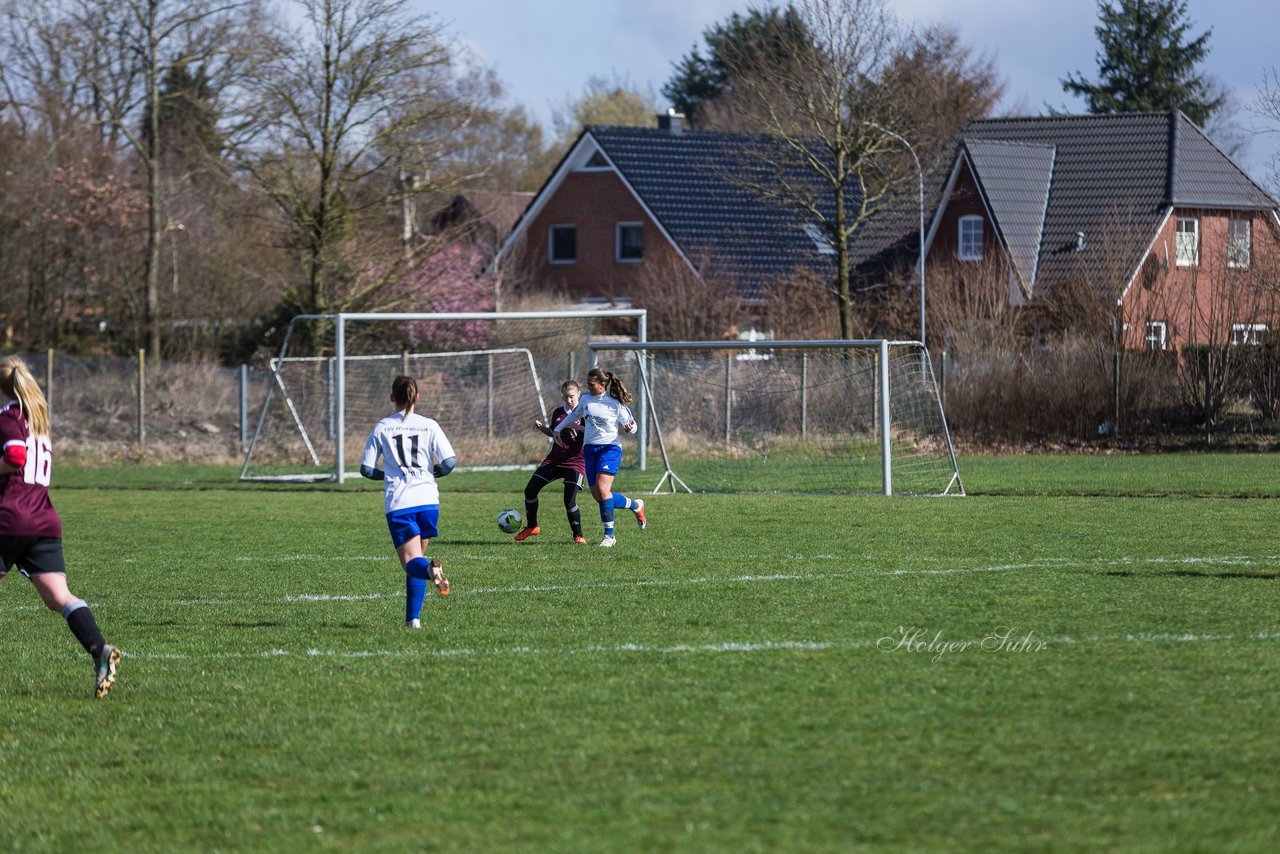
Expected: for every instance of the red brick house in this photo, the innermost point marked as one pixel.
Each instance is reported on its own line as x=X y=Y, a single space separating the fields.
x=1142 y=205
x=626 y=200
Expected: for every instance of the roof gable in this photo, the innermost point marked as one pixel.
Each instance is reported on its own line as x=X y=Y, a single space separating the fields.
x=1109 y=173
x=1204 y=177
x=1015 y=178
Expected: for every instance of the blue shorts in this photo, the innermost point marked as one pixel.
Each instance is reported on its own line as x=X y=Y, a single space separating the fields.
x=601 y=459
x=413 y=522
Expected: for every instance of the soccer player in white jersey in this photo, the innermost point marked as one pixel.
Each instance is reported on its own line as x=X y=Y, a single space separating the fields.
x=605 y=412
x=415 y=452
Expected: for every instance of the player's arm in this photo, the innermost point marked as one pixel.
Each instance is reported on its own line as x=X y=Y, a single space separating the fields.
x=14 y=457
x=627 y=420
x=570 y=418
x=565 y=432
x=369 y=459
x=568 y=428
x=442 y=451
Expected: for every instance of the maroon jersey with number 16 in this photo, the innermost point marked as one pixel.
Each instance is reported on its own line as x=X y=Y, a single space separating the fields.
x=25 y=508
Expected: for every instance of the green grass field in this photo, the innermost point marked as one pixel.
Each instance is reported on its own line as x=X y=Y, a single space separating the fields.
x=1081 y=654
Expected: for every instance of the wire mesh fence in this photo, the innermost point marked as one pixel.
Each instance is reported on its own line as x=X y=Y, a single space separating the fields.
x=108 y=408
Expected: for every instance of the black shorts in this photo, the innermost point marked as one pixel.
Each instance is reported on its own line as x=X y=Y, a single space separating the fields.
x=568 y=475
x=32 y=555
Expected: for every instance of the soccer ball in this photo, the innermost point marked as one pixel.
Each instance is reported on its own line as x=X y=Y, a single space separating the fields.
x=509 y=521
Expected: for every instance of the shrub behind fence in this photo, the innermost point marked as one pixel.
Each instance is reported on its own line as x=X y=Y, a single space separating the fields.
x=100 y=411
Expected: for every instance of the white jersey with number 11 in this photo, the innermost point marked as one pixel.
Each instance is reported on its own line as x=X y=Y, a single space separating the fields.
x=409 y=447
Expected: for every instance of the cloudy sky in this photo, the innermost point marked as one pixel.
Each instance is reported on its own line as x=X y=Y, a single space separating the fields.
x=544 y=51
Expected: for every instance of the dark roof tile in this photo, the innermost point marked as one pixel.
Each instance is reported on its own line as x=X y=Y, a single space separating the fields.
x=1113 y=172
x=695 y=184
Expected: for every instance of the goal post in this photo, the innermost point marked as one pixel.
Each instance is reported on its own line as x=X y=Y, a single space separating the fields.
x=821 y=416
x=484 y=376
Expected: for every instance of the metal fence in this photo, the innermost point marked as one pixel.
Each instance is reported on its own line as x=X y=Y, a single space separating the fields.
x=105 y=407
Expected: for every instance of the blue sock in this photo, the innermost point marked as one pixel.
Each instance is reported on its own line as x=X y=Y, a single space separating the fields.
x=417 y=571
x=621 y=502
x=606 y=516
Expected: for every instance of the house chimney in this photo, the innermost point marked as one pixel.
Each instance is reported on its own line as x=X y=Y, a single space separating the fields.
x=672 y=122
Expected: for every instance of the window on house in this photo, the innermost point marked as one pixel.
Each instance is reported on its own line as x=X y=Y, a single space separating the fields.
x=1157 y=335
x=1239 y=238
x=630 y=241
x=562 y=244
x=819 y=239
x=970 y=245
x=1188 y=241
x=1247 y=333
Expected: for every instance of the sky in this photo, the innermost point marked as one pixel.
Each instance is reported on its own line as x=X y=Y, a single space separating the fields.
x=545 y=51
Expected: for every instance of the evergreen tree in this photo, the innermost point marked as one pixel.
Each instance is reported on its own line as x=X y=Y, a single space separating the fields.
x=769 y=37
x=188 y=115
x=1146 y=62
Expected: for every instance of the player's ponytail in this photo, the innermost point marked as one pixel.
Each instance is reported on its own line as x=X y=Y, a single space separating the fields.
x=618 y=390
x=404 y=392
x=17 y=382
x=612 y=384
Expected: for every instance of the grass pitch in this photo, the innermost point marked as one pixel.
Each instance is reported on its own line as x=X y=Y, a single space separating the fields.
x=753 y=673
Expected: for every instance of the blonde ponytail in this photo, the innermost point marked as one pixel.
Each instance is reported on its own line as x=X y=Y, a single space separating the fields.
x=17 y=382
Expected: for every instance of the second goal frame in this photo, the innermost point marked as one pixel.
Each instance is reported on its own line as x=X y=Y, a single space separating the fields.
x=925 y=419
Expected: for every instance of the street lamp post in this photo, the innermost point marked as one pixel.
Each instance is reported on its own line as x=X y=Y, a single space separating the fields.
x=920 y=176
x=173 y=250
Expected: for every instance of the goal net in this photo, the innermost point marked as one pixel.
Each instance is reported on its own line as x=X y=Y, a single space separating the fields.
x=791 y=416
x=484 y=376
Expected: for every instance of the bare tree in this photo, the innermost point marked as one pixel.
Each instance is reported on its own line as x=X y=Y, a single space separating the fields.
x=604 y=101
x=828 y=151
x=1266 y=106
x=685 y=305
x=945 y=85
x=123 y=49
x=358 y=107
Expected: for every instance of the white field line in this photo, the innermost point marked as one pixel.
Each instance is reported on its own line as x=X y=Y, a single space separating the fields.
x=686 y=649
x=1265 y=562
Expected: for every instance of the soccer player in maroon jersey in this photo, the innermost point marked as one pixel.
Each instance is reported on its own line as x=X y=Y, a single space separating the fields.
x=563 y=462
x=30 y=530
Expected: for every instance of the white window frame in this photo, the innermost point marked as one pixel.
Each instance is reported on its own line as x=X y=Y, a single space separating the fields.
x=617 y=242
x=1239 y=247
x=1248 y=333
x=1157 y=335
x=965 y=244
x=551 y=243
x=820 y=241
x=1187 y=255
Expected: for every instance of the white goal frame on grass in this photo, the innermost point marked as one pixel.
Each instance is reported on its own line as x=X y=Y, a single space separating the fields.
x=883 y=389
x=340 y=322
